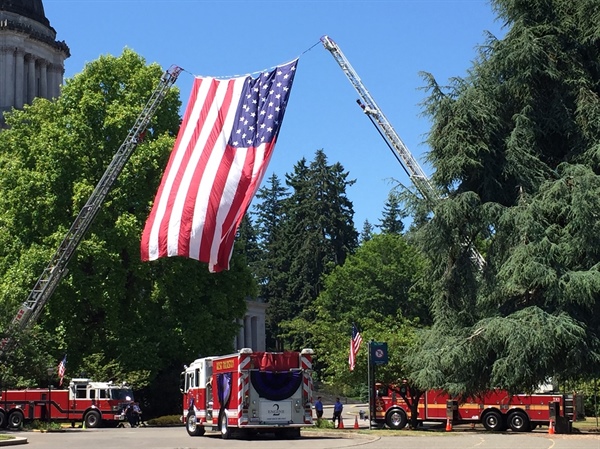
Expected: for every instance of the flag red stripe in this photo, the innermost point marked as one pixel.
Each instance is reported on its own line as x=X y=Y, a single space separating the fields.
x=145 y=244
x=201 y=175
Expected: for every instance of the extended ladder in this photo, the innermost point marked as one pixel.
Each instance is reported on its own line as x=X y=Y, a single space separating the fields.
x=31 y=309
x=392 y=139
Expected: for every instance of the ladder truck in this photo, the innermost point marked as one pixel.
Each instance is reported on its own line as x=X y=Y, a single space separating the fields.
x=389 y=135
x=56 y=270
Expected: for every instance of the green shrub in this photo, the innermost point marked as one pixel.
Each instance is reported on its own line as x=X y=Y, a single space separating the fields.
x=324 y=424
x=165 y=421
x=44 y=425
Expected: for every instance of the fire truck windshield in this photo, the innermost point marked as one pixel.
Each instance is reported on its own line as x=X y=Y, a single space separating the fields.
x=121 y=394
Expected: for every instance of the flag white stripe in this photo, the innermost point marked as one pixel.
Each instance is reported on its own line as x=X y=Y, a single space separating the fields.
x=161 y=208
x=203 y=195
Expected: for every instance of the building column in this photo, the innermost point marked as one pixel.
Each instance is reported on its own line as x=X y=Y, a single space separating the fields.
x=3 y=53
x=9 y=84
x=43 y=78
x=254 y=332
x=248 y=332
x=240 y=336
x=54 y=80
x=260 y=333
x=31 y=90
x=19 y=79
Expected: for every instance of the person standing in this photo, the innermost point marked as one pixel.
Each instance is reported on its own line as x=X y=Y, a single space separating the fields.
x=319 y=408
x=338 y=407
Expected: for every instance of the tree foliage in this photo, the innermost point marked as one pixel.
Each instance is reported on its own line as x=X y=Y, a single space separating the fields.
x=381 y=289
x=317 y=234
x=114 y=315
x=515 y=146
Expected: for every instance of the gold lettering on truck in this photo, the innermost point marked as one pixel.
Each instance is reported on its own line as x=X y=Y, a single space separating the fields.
x=224 y=364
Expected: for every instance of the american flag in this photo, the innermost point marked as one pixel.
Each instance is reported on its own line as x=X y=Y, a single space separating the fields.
x=62 y=367
x=224 y=145
x=355 y=343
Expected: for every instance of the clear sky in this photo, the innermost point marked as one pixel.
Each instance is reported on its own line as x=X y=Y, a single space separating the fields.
x=388 y=42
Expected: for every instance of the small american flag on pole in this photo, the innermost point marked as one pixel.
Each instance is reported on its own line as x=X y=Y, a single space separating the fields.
x=355 y=343
x=62 y=367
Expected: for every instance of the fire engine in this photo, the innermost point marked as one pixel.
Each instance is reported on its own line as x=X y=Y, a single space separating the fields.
x=249 y=392
x=93 y=403
x=497 y=410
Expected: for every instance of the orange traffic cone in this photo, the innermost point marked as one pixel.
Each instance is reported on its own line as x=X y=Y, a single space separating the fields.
x=448 y=425
x=341 y=425
x=356 y=422
x=551 y=428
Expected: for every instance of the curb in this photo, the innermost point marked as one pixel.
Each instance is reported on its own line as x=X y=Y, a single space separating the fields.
x=14 y=441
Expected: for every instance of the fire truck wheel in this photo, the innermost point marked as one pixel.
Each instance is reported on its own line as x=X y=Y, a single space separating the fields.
x=493 y=421
x=224 y=426
x=192 y=427
x=3 y=422
x=15 y=419
x=92 y=419
x=396 y=419
x=518 y=421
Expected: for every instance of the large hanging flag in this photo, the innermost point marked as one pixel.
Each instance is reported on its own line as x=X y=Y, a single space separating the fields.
x=355 y=343
x=222 y=151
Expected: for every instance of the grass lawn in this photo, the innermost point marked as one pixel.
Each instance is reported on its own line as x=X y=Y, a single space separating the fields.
x=589 y=425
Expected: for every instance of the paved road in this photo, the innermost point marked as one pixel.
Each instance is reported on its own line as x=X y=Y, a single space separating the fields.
x=176 y=437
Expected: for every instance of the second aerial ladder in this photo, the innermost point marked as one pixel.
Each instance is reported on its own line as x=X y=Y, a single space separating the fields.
x=392 y=139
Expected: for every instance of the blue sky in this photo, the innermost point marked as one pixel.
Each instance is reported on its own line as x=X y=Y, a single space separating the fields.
x=387 y=42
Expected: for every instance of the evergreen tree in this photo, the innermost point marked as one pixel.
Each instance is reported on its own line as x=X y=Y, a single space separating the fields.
x=367 y=232
x=273 y=265
x=516 y=149
x=393 y=214
x=318 y=233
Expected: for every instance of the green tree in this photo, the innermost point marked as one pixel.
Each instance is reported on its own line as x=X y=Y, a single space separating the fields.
x=317 y=235
x=393 y=214
x=515 y=146
x=273 y=264
x=367 y=232
x=381 y=289
x=132 y=319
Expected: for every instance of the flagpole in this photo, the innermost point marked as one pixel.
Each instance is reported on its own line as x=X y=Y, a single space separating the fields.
x=371 y=408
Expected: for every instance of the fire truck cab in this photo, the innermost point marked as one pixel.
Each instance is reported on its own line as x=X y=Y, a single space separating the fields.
x=93 y=403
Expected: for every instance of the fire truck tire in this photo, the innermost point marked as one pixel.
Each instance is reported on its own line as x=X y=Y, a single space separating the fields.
x=396 y=419
x=493 y=421
x=224 y=426
x=15 y=419
x=192 y=427
x=3 y=421
x=518 y=421
x=92 y=419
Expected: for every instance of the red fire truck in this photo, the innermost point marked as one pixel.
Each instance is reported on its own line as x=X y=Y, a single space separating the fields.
x=249 y=391
x=93 y=403
x=497 y=410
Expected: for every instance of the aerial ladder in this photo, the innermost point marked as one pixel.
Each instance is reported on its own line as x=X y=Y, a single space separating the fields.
x=56 y=270
x=391 y=138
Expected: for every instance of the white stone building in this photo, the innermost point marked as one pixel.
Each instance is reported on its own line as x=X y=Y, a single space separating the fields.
x=31 y=59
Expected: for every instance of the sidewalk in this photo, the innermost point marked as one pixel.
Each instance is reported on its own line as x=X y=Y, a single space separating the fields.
x=350 y=415
x=13 y=441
